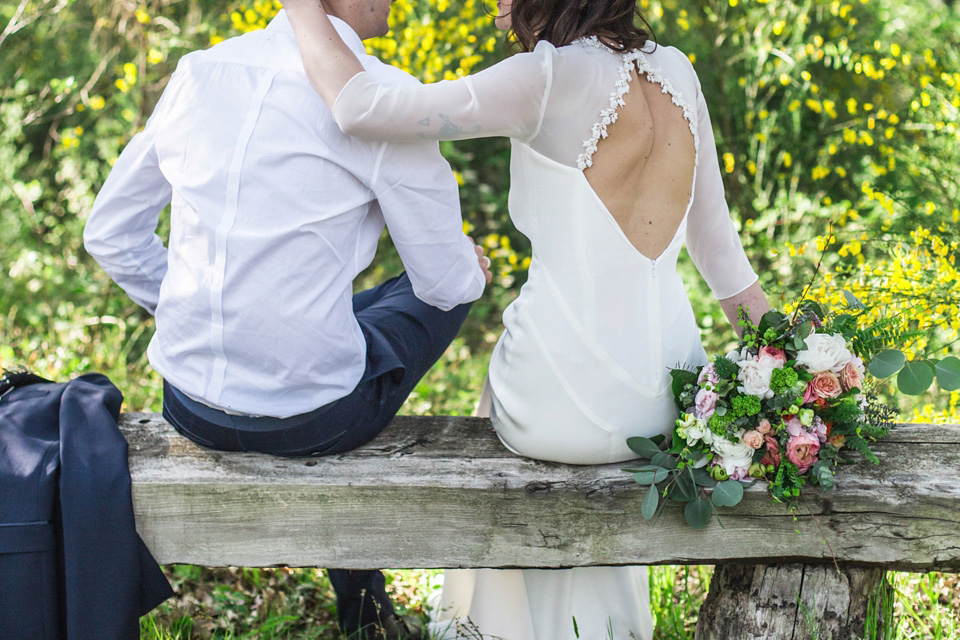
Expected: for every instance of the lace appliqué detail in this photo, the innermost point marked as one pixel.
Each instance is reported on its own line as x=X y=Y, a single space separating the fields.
x=609 y=115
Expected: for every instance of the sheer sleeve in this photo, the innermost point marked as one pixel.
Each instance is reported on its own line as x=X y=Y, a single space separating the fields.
x=506 y=99
x=712 y=239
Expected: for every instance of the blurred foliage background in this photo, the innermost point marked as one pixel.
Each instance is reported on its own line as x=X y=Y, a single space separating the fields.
x=837 y=121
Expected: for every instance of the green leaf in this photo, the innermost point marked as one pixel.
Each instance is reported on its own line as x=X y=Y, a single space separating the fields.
x=915 y=377
x=948 y=373
x=887 y=363
x=773 y=319
x=663 y=459
x=727 y=493
x=703 y=479
x=803 y=331
x=698 y=513
x=650 y=475
x=852 y=301
x=643 y=447
x=650 y=501
x=686 y=485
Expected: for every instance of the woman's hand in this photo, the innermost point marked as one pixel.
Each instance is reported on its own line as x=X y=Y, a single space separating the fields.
x=329 y=63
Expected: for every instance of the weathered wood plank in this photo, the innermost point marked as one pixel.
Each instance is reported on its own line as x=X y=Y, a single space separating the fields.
x=443 y=492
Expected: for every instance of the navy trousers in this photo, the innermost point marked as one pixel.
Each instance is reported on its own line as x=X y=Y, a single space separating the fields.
x=405 y=337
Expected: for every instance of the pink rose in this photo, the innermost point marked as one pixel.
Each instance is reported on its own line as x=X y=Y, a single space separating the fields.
x=753 y=439
x=764 y=427
x=775 y=353
x=705 y=403
x=772 y=456
x=802 y=450
x=708 y=375
x=809 y=394
x=826 y=385
x=851 y=375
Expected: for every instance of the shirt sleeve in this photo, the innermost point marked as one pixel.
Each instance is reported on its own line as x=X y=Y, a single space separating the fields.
x=121 y=231
x=506 y=99
x=712 y=239
x=418 y=197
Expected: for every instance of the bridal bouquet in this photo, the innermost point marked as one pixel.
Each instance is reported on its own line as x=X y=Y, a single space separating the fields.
x=780 y=407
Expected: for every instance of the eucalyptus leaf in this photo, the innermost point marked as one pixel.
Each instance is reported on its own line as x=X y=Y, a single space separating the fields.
x=698 y=513
x=727 y=493
x=686 y=485
x=663 y=459
x=948 y=373
x=643 y=447
x=677 y=494
x=650 y=501
x=803 y=331
x=650 y=476
x=915 y=378
x=887 y=363
x=852 y=300
x=703 y=479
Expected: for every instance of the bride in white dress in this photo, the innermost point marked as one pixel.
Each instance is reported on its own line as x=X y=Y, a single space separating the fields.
x=613 y=168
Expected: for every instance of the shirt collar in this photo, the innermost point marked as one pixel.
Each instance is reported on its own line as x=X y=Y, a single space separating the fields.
x=282 y=23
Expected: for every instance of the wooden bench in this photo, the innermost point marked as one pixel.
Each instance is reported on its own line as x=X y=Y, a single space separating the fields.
x=442 y=492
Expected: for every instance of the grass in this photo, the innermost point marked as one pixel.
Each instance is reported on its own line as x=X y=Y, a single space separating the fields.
x=297 y=604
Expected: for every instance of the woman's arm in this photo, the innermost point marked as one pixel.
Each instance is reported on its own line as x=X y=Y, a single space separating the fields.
x=506 y=99
x=329 y=63
x=752 y=299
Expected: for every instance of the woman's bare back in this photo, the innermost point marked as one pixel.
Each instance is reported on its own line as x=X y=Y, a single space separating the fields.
x=643 y=171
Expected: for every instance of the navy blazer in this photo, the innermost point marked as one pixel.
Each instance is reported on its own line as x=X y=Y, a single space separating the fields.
x=72 y=566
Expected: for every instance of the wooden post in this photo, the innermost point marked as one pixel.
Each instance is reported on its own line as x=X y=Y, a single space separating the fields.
x=795 y=602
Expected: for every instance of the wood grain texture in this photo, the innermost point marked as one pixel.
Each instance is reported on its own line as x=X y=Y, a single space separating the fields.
x=791 y=602
x=443 y=492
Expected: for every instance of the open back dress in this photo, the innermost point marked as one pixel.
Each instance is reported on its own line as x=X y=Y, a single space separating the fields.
x=583 y=362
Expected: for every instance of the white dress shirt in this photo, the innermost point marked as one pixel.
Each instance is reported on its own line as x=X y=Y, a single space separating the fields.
x=274 y=212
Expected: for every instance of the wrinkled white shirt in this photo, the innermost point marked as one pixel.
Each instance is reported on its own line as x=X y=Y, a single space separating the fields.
x=274 y=213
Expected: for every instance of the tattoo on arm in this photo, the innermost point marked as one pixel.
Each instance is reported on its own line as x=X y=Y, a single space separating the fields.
x=448 y=129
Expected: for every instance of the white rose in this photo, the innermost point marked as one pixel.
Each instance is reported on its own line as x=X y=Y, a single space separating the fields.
x=755 y=376
x=735 y=455
x=824 y=352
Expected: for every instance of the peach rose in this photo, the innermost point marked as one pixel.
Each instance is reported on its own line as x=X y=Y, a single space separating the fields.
x=851 y=376
x=826 y=385
x=752 y=438
x=802 y=450
x=837 y=441
x=772 y=456
x=764 y=427
x=809 y=394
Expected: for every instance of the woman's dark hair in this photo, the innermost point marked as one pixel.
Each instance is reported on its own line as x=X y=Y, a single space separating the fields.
x=618 y=23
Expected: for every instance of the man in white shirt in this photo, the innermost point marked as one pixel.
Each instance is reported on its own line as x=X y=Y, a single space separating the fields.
x=274 y=211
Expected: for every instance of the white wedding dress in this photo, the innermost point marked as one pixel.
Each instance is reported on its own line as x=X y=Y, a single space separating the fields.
x=583 y=360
